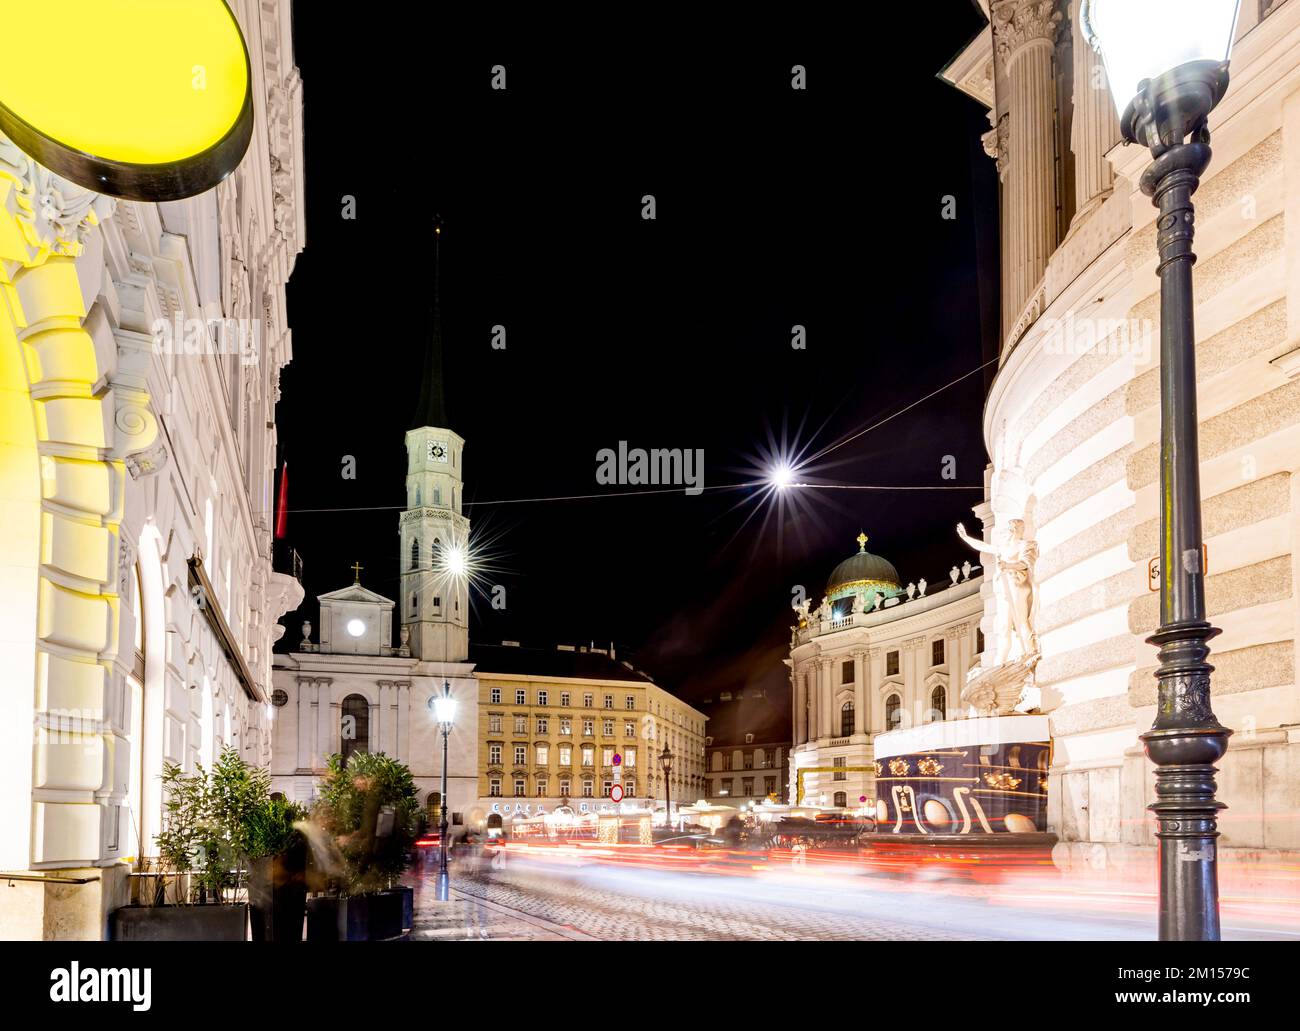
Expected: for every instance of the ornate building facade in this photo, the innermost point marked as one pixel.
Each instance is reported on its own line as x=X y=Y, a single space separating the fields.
x=552 y=722
x=140 y=351
x=1072 y=419
x=875 y=657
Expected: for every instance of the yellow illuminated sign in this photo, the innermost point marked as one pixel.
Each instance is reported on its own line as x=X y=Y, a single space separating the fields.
x=149 y=100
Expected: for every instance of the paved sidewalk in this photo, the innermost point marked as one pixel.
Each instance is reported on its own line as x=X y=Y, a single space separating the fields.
x=469 y=918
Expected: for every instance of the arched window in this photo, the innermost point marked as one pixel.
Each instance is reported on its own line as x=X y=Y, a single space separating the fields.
x=938 y=703
x=418 y=502
x=841 y=799
x=437 y=496
x=846 y=719
x=415 y=553
x=893 y=712
x=354 y=730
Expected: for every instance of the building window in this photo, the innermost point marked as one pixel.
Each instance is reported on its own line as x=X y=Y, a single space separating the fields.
x=629 y=728
x=631 y=786
x=841 y=799
x=726 y=786
x=519 y=787
x=748 y=760
x=354 y=730
x=769 y=785
x=521 y=697
x=541 y=697
x=543 y=755
x=566 y=725
x=564 y=698
x=604 y=788
x=586 y=701
x=541 y=787
x=415 y=553
x=587 y=788
x=496 y=696
x=893 y=712
x=629 y=702
x=936 y=652
x=543 y=724
x=494 y=755
x=748 y=784
x=565 y=785
x=726 y=760
x=607 y=728
x=609 y=701
x=494 y=723
x=891 y=664
x=846 y=672
x=521 y=724
x=521 y=755
x=588 y=728
x=588 y=755
x=840 y=760
x=846 y=719
x=566 y=754
x=607 y=757
x=629 y=757
x=938 y=703
x=494 y=787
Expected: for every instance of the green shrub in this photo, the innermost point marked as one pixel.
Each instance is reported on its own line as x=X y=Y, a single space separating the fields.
x=369 y=810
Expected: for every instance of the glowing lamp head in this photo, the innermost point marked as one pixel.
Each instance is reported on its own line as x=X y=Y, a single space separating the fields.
x=1143 y=39
x=356 y=627
x=444 y=707
x=457 y=563
x=782 y=476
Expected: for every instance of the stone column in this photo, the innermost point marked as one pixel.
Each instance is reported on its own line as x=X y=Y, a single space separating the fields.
x=327 y=725
x=800 y=704
x=1095 y=126
x=876 y=721
x=1024 y=34
x=306 y=692
x=859 y=692
x=827 y=700
x=811 y=685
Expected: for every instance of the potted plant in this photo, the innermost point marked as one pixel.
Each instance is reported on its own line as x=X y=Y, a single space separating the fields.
x=200 y=848
x=277 y=870
x=368 y=812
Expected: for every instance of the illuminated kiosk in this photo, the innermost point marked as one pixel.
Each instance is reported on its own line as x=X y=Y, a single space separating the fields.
x=960 y=778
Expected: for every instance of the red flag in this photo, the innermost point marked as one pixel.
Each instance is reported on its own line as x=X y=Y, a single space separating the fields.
x=282 y=507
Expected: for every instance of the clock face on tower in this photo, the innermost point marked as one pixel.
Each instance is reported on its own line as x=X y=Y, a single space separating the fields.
x=437 y=451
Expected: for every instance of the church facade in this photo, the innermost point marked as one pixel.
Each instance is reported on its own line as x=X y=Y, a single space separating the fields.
x=1072 y=421
x=875 y=657
x=354 y=689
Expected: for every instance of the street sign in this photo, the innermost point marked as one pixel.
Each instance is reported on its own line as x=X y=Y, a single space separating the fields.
x=618 y=759
x=1153 y=567
x=616 y=793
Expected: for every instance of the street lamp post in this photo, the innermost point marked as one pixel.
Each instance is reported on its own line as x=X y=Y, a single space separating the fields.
x=444 y=707
x=666 y=764
x=1167 y=62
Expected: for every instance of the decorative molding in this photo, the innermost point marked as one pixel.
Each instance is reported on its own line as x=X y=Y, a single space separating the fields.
x=53 y=214
x=1018 y=23
x=995 y=143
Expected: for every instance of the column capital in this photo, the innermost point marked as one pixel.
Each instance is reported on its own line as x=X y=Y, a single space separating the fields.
x=1019 y=23
x=53 y=214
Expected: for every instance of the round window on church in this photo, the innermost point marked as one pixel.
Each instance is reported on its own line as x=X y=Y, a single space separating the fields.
x=356 y=628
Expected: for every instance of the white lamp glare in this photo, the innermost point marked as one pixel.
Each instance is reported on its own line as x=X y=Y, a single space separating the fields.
x=782 y=475
x=356 y=628
x=456 y=563
x=1143 y=39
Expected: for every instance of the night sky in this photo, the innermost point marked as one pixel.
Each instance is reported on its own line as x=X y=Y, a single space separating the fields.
x=774 y=208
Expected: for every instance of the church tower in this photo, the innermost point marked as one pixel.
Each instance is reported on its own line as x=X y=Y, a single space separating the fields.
x=435 y=535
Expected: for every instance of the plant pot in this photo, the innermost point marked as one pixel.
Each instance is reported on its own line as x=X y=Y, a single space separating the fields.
x=355 y=918
x=406 y=897
x=223 y=923
x=277 y=896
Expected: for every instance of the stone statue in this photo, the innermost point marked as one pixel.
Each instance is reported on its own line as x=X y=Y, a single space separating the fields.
x=921 y=585
x=859 y=604
x=879 y=600
x=1015 y=559
x=954 y=574
x=824 y=610
x=805 y=616
x=911 y=591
